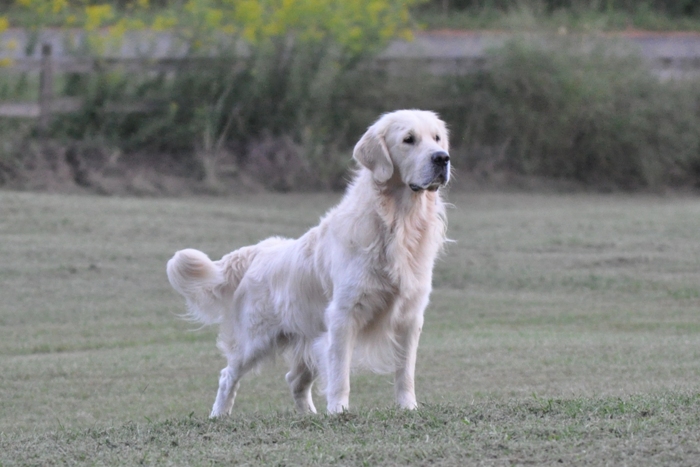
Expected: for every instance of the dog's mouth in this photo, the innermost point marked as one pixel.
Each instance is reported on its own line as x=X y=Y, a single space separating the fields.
x=434 y=185
x=431 y=187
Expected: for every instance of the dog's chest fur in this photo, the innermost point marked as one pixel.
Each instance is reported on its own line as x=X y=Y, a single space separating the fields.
x=412 y=236
x=389 y=244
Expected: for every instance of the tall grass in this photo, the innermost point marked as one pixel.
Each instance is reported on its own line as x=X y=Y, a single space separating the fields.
x=287 y=113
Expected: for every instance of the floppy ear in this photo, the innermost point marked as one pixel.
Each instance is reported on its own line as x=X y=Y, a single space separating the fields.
x=371 y=152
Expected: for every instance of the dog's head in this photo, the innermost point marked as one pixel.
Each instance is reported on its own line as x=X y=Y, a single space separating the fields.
x=409 y=147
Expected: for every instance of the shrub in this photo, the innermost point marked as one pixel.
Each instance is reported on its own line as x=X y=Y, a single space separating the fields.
x=586 y=111
x=273 y=69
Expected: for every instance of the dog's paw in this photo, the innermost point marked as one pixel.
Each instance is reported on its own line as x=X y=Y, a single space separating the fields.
x=337 y=408
x=407 y=402
x=217 y=414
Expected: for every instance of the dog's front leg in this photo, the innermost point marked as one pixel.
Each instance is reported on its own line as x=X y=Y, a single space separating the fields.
x=342 y=332
x=407 y=336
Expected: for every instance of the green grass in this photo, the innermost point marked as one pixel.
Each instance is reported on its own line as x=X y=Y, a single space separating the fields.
x=641 y=430
x=561 y=328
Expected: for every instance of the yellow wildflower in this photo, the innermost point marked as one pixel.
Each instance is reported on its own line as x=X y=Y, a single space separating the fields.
x=97 y=15
x=163 y=23
x=58 y=6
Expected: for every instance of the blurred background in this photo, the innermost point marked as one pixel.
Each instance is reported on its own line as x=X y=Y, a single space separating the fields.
x=221 y=96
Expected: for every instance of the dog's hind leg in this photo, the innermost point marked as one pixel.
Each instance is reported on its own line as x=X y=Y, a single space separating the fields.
x=300 y=379
x=229 y=381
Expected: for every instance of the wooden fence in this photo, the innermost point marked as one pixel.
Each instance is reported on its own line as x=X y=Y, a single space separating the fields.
x=49 y=104
x=669 y=58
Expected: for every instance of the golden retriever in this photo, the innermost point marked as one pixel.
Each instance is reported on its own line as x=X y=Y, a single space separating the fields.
x=351 y=291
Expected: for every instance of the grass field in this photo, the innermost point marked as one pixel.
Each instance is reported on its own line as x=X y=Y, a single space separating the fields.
x=563 y=329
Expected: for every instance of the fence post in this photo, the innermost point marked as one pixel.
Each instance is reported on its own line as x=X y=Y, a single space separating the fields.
x=45 y=88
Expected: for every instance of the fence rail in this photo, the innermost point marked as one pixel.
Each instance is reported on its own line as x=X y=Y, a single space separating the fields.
x=93 y=65
x=48 y=104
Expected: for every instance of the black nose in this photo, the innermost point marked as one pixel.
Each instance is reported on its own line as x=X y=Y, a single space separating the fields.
x=440 y=158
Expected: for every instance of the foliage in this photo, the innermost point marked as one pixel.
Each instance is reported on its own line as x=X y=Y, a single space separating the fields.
x=262 y=69
x=587 y=111
x=205 y=26
x=281 y=90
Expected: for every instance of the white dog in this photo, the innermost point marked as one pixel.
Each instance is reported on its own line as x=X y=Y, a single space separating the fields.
x=351 y=290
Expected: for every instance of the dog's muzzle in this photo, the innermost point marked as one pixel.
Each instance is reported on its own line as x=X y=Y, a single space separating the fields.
x=440 y=165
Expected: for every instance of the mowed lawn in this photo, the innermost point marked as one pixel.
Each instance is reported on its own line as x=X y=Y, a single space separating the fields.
x=573 y=317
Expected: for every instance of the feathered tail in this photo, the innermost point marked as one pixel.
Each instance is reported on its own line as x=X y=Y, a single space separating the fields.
x=207 y=285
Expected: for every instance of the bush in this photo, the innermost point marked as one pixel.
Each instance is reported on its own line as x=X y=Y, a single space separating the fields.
x=583 y=111
x=284 y=70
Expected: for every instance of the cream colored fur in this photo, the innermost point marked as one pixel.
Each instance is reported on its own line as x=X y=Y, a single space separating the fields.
x=351 y=291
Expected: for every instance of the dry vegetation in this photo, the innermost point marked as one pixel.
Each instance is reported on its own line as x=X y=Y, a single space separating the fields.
x=562 y=327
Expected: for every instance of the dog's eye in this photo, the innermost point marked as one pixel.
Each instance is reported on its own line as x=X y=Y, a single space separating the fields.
x=409 y=139
x=437 y=138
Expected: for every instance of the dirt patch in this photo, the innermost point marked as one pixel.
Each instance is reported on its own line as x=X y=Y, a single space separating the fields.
x=52 y=167
x=269 y=165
